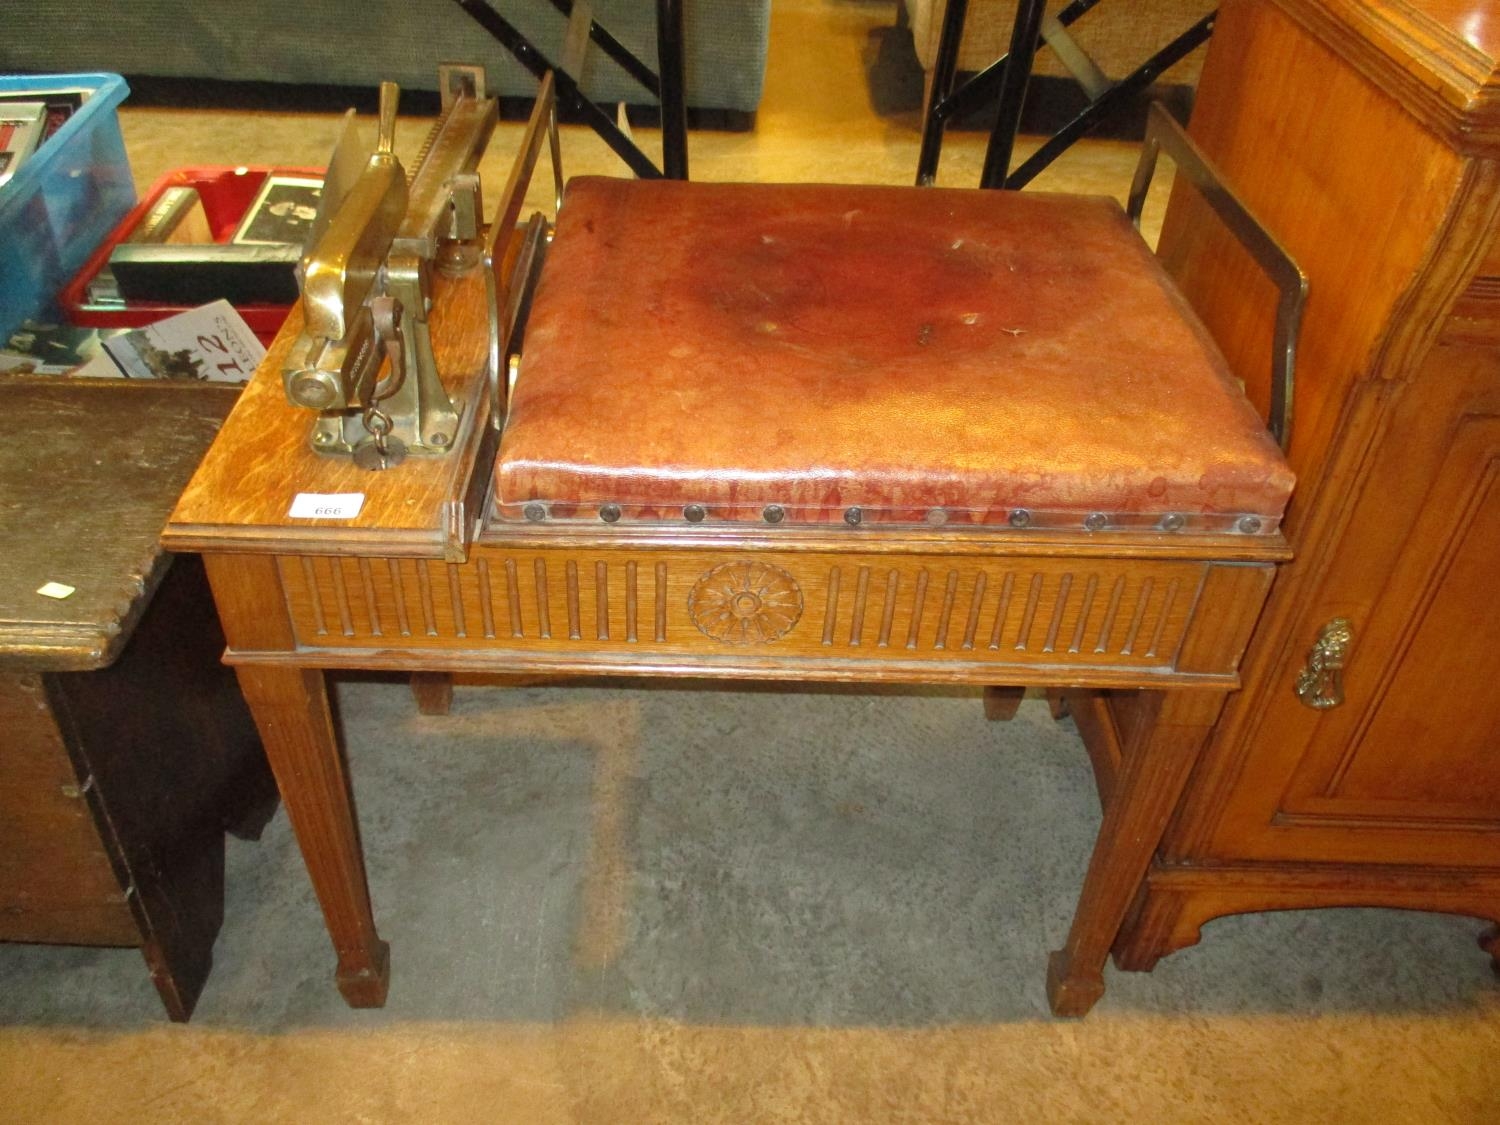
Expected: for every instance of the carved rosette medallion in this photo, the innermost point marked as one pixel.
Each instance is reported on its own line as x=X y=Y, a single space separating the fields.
x=745 y=603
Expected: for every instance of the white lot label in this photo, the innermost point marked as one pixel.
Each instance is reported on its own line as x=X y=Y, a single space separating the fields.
x=327 y=505
x=57 y=590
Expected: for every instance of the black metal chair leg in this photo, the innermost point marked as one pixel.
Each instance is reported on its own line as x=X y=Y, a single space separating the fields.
x=945 y=66
x=1013 y=92
x=1008 y=78
x=669 y=55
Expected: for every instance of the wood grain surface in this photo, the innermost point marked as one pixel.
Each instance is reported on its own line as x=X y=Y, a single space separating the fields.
x=57 y=881
x=87 y=478
x=1438 y=57
x=1122 y=622
x=240 y=497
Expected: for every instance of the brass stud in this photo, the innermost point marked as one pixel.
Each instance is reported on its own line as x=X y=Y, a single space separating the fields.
x=1173 y=521
x=1249 y=524
x=854 y=516
x=773 y=513
x=937 y=517
x=534 y=512
x=694 y=513
x=1020 y=517
x=609 y=513
x=1096 y=521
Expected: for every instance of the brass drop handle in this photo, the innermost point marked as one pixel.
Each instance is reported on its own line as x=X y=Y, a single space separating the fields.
x=1321 y=682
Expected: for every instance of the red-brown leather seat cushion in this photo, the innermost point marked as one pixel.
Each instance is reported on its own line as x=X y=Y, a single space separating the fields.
x=895 y=349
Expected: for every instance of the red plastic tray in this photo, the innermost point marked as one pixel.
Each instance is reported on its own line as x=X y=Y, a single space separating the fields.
x=227 y=194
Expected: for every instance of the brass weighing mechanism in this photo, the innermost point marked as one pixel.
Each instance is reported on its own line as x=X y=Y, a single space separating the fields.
x=364 y=359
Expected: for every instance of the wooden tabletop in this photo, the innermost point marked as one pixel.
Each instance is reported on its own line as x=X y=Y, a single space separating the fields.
x=240 y=498
x=89 y=469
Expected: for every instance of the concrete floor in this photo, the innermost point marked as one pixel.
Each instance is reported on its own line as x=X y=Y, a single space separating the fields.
x=682 y=903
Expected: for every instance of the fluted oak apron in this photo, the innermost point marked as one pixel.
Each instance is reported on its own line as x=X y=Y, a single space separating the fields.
x=787 y=433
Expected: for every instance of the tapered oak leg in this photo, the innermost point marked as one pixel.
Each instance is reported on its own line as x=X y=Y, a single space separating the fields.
x=1155 y=768
x=1002 y=703
x=291 y=709
x=433 y=692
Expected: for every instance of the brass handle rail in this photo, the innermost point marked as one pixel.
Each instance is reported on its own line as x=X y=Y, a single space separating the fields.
x=1163 y=133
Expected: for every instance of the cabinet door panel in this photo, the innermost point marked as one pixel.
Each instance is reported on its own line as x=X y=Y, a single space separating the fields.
x=56 y=879
x=1407 y=769
x=1419 y=735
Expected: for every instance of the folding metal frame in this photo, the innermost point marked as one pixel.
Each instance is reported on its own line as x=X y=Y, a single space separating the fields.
x=1007 y=80
x=665 y=84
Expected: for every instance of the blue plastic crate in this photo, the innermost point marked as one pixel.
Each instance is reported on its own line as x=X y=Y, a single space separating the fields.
x=64 y=199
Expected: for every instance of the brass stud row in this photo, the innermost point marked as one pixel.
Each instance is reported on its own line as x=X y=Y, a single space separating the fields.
x=536 y=511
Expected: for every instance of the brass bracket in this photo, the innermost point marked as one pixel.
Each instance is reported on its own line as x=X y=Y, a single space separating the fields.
x=1321 y=682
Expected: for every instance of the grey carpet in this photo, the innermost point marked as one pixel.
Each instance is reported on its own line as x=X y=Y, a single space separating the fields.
x=833 y=858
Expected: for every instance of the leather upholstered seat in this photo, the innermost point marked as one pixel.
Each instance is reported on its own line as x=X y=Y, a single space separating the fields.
x=747 y=352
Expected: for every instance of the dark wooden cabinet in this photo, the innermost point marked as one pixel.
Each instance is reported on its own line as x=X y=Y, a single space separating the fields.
x=1366 y=135
x=57 y=882
x=126 y=749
